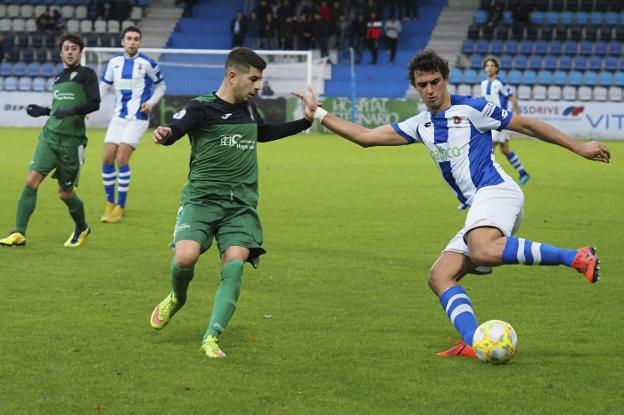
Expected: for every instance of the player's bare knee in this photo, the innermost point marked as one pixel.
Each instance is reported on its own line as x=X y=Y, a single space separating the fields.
x=186 y=259
x=481 y=255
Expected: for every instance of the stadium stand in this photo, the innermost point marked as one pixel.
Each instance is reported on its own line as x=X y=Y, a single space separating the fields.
x=30 y=57
x=572 y=48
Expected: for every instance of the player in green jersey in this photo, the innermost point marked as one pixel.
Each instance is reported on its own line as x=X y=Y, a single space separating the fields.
x=61 y=143
x=220 y=198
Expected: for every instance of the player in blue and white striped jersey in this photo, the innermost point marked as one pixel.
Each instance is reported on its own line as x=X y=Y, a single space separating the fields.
x=456 y=130
x=496 y=90
x=138 y=85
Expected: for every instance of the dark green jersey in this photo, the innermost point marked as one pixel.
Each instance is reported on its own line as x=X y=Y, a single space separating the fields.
x=75 y=87
x=223 y=139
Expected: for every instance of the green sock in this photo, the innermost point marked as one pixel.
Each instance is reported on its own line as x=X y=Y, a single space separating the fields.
x=180 y=280
x=225 y=299
x=76 y=210
x=25 y=207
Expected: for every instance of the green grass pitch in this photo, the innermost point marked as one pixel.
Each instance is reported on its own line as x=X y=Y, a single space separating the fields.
x=337 y=320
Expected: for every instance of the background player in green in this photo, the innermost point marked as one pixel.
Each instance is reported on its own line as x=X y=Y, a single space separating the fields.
x=221 y=195
x=61 y=143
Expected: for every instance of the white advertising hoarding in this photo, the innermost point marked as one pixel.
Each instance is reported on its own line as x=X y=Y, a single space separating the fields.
x=13 y=109
x=578 y=119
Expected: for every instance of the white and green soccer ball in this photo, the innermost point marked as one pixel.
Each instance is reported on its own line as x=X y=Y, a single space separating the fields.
x=495 y=341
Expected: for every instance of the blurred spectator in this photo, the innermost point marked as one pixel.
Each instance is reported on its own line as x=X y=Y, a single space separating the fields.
x=253 y=30
x=324 y=12
x=392 y=29
x=286 y=34
x=322 y=30
x=284 y=11
x=95 y=9
x=267 y=32
x=6 y=45
x=120 y=10
x=188 y=6
x=342 y=36
x=266 y=89
x=305 y=7
x=238 y=28
x=305 y=33
x=371 y=7
x=262 y=10
x=358 y=36
x=373 y=34
x=45 y=21
x=59 y=20
x=407 y=9
x=336 y=11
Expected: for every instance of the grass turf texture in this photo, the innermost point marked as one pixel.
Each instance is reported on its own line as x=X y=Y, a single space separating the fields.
x=338 y=319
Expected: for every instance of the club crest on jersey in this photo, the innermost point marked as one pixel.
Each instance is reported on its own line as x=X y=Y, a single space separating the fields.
x=457 y=120
x=179 y=115
x=73 y=75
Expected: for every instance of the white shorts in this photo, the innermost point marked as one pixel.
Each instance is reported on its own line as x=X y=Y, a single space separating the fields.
x=497 y=206
x=500 y=136
x=122 y=131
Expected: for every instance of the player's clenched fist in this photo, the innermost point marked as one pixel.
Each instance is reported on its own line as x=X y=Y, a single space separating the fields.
x=161 y=134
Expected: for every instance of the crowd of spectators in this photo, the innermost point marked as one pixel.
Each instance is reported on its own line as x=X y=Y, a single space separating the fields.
x=323 y=24
x=50 y=21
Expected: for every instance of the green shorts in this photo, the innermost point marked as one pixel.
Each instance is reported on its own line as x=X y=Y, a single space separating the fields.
x=65 y=160
x=231 y=223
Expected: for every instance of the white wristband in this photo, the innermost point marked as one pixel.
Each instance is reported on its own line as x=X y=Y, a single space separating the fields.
x=319 y=114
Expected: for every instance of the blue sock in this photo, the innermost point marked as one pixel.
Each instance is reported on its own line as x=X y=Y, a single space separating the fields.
x=108 y=180
x=458 y=308
x=523 y=251
x=516 y=163
x=123 y=182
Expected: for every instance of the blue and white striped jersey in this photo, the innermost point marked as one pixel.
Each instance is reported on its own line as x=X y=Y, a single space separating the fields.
x=496 y=91
x=134 y=80
x=460 y=142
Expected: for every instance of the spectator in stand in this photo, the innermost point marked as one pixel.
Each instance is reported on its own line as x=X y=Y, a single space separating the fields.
x=374 y=27
x=286 y=33
x=392 y=29
x=59 y=21
x=306 y=7
x=358 y=36
x=342 y=36
x=6 y=45
x=267 y=33
x=120 y=10
x=188 y=6
x=45 y=21
x=371 y=7
x=95 y=9
x=305 y=33
x=266 y=89
x=322 y=30
x=407 y=9
x=284 y=11
x=253 y=30
x=238 y=28
x=324 y=11
x=262 y=10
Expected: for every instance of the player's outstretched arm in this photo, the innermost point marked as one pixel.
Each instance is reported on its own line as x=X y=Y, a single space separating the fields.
x=592 y=150
x=380 y=136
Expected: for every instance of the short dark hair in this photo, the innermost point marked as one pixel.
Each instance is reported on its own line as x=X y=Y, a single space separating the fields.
x=241 y=59
x=73 y=38
x=493 y=60
x=131 y=29
x=427 y=61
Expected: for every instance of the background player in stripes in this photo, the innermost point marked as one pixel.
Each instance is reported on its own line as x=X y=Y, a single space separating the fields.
x=496 y=90
x=456 y=130
x=61 y=142
x=138 y=85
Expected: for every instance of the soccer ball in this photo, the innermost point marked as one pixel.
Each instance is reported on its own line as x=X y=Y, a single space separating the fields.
x=495 y=341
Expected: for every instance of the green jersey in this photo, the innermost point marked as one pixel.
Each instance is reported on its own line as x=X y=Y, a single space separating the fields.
x=77 y=88
x=223 y=162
